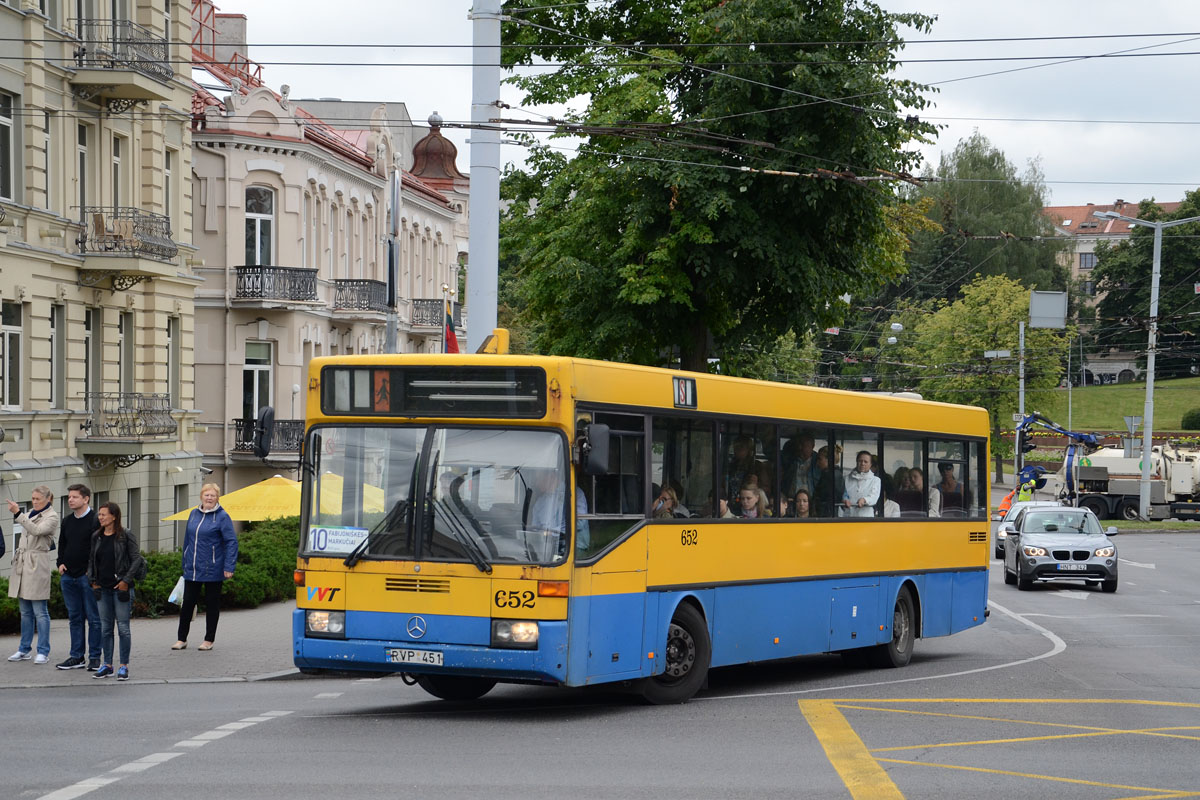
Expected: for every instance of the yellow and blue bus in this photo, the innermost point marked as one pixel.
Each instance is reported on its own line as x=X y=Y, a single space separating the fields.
x=475 y=519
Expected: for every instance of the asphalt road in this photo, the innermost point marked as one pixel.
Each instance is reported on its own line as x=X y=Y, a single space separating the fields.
x=1065 y=692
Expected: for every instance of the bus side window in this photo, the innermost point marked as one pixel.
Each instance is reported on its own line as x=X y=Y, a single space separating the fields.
x=681 y=459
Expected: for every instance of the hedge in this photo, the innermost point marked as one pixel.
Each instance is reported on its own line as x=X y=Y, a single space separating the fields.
x=266 y=559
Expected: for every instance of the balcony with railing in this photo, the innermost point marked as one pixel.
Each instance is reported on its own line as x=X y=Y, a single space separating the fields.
x=359 y=295
x=285 y=436
x=121 y=63
x=125 y=427
x=275 y=285
x=127 y=244
x=432 y=313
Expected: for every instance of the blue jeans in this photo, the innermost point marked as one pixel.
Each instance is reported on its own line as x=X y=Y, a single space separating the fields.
x=115 y=610
x=35 y=614
x=81 y=609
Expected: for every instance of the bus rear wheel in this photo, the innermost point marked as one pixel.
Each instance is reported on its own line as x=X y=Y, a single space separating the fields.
x=455 y=687
x=688 y=653
x=898 y=652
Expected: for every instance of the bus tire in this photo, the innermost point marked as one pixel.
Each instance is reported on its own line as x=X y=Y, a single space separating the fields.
x=687 y=655
x=455 y=687
x=898 y=652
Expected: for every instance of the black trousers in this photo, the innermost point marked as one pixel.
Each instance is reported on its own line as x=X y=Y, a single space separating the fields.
x=212 y=608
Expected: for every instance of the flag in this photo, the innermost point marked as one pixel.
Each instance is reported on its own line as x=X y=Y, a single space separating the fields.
x=448 y=335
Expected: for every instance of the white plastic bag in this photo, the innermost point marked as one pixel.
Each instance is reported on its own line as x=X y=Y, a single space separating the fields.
x=176 y=596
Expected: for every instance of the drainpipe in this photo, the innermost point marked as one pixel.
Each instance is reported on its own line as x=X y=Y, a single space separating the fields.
x=226 y=441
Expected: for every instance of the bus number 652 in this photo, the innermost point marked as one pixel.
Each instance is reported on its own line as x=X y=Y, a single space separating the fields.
x=688 y=537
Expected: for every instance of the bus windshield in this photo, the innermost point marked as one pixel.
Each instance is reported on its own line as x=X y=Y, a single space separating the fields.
x=480 y=495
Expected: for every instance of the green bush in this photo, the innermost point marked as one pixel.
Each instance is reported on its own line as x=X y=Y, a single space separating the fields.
x=266 y=560
x=10 y=610
x=1191 y=420
x=150 y=596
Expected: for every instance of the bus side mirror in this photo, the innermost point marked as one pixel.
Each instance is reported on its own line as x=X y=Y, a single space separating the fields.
x=264 y=430
x=593 y=449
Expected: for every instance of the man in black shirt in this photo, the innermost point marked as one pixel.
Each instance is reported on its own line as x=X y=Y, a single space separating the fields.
x=74 y=545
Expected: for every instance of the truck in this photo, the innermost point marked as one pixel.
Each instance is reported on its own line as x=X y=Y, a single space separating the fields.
x=1107 y=480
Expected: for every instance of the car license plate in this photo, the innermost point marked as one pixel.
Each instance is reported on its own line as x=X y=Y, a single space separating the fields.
x=404 y=655
x=1072 y=567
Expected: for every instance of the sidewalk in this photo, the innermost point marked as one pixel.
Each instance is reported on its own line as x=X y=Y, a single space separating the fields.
x=252 y=644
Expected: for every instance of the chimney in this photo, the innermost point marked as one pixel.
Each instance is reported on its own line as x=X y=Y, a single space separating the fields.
x=1119 y=204
x=231 y=38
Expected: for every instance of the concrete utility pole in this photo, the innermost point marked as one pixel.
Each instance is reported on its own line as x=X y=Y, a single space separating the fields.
x=485 y=173
x=1148 y=413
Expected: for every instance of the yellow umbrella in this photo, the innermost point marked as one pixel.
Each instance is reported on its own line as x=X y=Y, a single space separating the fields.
x=331 y=495
x=276 y=496
x=280 y=497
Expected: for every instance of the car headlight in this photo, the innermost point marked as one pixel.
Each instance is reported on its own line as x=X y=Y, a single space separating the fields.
x=325 y=623
x=1106 y=552
x=516 y=634
x=1030 y=550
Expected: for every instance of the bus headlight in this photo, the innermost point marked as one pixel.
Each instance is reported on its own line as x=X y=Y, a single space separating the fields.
x=515 y=634
x=325 y=623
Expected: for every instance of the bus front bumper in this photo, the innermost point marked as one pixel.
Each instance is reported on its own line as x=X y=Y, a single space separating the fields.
x=546 y=664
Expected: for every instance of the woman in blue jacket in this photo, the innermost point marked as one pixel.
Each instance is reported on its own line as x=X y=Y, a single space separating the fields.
x=210 y=550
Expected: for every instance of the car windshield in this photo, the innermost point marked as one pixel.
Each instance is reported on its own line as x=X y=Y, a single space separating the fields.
x=1066 y=520
x=481 y=495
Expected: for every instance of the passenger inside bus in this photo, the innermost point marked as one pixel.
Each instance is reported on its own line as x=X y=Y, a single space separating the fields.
x=830 y=485
x=752 y=503
x=953 y=494
x=862 y=488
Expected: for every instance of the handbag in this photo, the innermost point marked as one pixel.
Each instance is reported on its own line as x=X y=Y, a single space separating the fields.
x=176 y=596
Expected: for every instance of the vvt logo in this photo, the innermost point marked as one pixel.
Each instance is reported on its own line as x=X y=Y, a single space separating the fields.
x=322 y=593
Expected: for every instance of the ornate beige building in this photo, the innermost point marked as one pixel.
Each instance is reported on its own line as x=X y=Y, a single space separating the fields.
x=291 y=222
x=96 y=278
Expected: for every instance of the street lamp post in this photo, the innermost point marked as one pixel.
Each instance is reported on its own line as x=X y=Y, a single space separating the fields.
x=1148 y=413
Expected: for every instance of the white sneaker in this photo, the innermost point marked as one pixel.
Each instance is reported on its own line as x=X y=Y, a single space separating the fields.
x=19 y=656
x=41 y=659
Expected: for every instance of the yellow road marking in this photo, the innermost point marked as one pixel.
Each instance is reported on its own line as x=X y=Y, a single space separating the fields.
x=1021 y=701
x=1055 y=779
x=862 y=775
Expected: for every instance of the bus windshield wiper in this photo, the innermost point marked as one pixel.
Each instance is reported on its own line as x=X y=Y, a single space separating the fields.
x=463 y=537
x=358 y=551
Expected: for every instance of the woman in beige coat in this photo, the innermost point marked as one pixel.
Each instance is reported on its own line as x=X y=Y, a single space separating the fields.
x=31 y=567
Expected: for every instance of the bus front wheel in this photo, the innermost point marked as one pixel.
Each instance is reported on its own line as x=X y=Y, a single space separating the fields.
x=454 y=687
x=898 y=651
x=687 y=655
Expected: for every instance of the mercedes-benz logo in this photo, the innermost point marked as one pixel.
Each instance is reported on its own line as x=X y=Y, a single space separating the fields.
x=416 y=627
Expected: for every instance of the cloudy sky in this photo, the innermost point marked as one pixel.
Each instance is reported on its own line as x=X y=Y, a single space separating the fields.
x=1101 y=128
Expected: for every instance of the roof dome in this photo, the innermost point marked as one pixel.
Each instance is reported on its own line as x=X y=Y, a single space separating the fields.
x=435 y=155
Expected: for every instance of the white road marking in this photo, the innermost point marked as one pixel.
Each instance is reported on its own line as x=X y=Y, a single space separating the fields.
x=1100 y=616
x=1058 y=646
x=1138 y=564
x=1072 y=594
x=325 y=695
x=154 y=759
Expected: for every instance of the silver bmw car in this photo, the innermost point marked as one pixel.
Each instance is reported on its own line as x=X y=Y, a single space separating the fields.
x=1059 y=544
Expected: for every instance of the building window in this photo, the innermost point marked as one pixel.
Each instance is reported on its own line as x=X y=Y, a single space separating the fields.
x=125 y=351
x=116 y=171
x=304 y=231
x=168 y=181
x=260 y=218
x=256 y=379
x=58 y=356
x=174 y=361
x=11 y=326
x=1087 y=261
x=47 y=145
x=81 y=149
x=7 y=147
x=332 y=239
x=1089 y=288
x=91 y=337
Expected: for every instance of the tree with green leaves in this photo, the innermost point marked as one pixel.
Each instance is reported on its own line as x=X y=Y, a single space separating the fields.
x=943 y=346
x=991 y=223
x=727 y=188
x=1122 y=275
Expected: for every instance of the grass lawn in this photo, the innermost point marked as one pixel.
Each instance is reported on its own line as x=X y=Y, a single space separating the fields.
x=1155 y=526
x=1102 y=407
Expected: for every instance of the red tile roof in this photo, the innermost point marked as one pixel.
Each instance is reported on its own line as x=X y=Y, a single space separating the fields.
x=1071 y=219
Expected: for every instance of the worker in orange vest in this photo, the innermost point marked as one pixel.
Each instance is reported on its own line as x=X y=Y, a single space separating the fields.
x=1007 y=502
